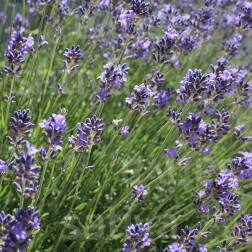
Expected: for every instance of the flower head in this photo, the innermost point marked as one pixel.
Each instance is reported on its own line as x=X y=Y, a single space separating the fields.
x=138 y=193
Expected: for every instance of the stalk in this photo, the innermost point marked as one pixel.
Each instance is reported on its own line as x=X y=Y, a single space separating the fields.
x=73 y=201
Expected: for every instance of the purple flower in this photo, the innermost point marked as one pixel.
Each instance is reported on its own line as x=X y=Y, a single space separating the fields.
x=194 y=82
x=116 y=122
x=124 y=131
x=3 y=166
x=238 y=130
x=243 y=230
x=202 y=248
x=54 y=129
x=171 y=153
x=139 y=98
x=138 y=193
x=114 y=76
x=126 y=18
x=72 y=57
x=194 y=138
x=175 y=247
x=25 y=170
x=202 y=126
x=205 y=208
x=43 y=42
x=88 y=134
x=201 y=193
x=20 y=125
x=206 y=151
x=18 y=232
x=139 y=238
x=186 y=126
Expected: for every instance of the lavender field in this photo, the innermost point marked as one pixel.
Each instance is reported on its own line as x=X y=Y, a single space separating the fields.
x=125 y=125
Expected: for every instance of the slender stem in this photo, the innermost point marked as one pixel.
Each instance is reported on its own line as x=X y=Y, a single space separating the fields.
x=22 y=198
x=12 y=17
x=23 y=20
x=124 y=49
x=5 y=11
x=50 y=67
x=41 y=23
x=42 y=178
x=8 y=106
x=124 y=217
x=73 y=201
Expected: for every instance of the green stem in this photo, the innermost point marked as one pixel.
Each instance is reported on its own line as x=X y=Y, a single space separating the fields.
x=50 y=67
x=22 y=198
x=5 y=11
x=23 y=20
x=73 y=201
x=42 y=178
x=8 y=106
x=12 y=17
x=124 y=217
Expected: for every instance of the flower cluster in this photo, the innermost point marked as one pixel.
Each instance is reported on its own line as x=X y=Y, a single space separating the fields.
x=112 y=77
x=20 y=125
x=72 y=57
x=87 y=135
x=17 y=47
x=54 y=127
x=139 y=238
x=199 y=133
x=220 y=189
x=25 y=170
x=186 y=242
x=244 y=230
x=139 y=98
x=138 y=193
x=16 y=234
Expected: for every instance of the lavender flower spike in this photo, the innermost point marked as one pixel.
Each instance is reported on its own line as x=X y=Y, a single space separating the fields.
x=139 y=238
x=138 y=193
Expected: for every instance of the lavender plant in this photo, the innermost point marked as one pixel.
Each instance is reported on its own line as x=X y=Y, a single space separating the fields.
x=117 y=113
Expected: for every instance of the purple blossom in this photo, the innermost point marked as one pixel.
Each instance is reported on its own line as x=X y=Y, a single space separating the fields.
x=55 y=127
x=116 y=122
x=138 y=193
x=206 y=151
x=18 y=232
x=175 y=247
x=126 y=18
x=43 y=42
x=171 y=152
x=114 y=76
x=72 y=57
x=238 y=130
x=125 y=131
x=20 y=125
x=244 y=230
x=139 y=98
x=88 y=134
x=193 y=138
x=3 y=166
x=139 y=238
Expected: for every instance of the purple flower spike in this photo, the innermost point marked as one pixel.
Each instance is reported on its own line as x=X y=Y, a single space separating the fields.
x=138 y=193
x=72 y=57
x=139 y=238
x=88 y=134
x=17 y=233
